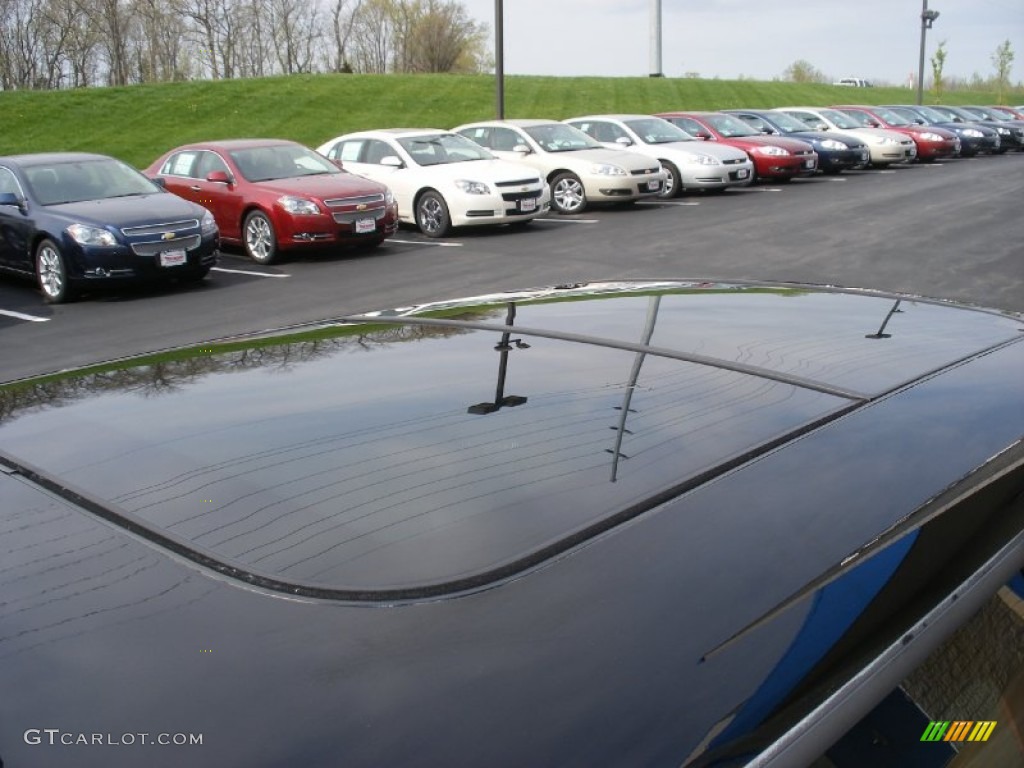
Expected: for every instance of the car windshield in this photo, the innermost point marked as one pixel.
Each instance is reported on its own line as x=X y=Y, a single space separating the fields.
x=931 y=115
x=441 y=148
x=863 y=119
x=280 y=161
x=839 y=119
x=73 y=182
x=787 y=123
x=730 y=127
x=654 y=130
x=987 y=114
x=559 y=137
x=951 y=114
x=891 y=117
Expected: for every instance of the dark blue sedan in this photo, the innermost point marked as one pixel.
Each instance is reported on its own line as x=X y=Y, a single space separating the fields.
x=75 y=219
x=836 y=152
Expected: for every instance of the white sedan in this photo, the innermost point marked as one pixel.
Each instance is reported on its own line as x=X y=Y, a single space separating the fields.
x=440 y=179
x=578 y=169
x=688 y=162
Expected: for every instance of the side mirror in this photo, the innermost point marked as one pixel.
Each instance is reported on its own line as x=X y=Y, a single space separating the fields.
x=703 y=135
x=521 y=148
x=218 y=177
x=9 y=198
x=624 y=141
x=392 y=161
x=874 y=124
x=160 y=181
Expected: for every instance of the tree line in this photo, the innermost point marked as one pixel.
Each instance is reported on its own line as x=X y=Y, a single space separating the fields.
x=51 y=44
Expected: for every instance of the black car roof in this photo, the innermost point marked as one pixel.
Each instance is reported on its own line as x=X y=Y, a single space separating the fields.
x=50 y=158
x=400 y=455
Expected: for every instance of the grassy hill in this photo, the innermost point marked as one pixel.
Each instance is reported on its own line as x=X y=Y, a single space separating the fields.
x=138 y=123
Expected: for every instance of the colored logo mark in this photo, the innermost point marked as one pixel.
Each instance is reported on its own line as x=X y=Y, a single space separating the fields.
x=958 y=730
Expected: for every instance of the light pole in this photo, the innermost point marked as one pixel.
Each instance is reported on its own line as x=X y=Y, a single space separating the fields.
x=656 y=70
x=927 y=19
x=499 y=56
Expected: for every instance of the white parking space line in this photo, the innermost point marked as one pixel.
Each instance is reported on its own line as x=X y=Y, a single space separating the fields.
x=247 y=272
x=23 y=316
x=668 y=202
x=568 y=221
x=423 y=242
x=835 y=179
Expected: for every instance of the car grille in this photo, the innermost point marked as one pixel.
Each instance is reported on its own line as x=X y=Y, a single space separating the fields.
x=153 y=247
x=375 y=200
x=511 y=197
x=160 y=229
x=737 y=161
x=803 y=153
x=518 y=183
x=350 y=217
x=646 y=171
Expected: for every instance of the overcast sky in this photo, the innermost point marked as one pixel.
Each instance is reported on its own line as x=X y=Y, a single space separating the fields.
x=874 y=39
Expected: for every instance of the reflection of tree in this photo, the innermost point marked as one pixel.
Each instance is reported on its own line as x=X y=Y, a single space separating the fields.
x=159 y=376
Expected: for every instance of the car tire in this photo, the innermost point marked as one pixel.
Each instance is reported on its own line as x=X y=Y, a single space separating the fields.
x=432 y=215
x=673 y=184
x=567 y=194
x=52 y=274
x=259 y=238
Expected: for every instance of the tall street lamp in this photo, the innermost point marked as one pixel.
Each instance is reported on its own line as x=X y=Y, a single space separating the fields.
x=499 y=57
x=927 y=19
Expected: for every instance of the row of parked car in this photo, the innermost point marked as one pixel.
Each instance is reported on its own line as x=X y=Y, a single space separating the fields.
x=71 y=219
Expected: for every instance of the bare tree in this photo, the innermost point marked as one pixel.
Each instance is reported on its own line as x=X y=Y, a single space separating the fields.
x=371 y=36
x=1002 y=60
x=802 y=71
x=938 y=61
x=341 y=32
x=443 y=38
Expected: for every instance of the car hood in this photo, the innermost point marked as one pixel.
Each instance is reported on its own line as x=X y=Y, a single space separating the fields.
x=323 y=187
x=123 y=212
x=582 y=159
x=719 y=151
x=645 y=523
x=493 y=171
x=750 y=142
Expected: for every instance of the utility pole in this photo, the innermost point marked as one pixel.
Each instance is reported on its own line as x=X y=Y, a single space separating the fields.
x=499 y=56
x=927 y=19
x=656 y=70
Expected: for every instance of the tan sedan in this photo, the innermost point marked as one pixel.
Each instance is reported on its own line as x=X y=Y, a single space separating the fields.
x=578 y=169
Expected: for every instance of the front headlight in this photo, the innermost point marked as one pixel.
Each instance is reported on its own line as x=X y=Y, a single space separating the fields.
x=605 y=169
x=208 y=224
x=702 y=160
x=973 y=133
x=472 y=187
x=298 y=205
x=772 y=151
x=83 y=234
x=1003 y=131
x=833 y=145
x=929 y=136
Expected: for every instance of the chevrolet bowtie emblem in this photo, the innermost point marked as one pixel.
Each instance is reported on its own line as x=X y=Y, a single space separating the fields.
x=361 y=207
x=167 y=236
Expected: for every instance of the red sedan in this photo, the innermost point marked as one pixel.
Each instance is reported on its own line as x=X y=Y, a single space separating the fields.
x=271 y=196
x=932 y=143
x=774 y=157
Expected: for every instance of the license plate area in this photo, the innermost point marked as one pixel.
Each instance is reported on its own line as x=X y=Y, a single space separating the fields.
x=365 y=226
x=528 y=204
x=173 y=258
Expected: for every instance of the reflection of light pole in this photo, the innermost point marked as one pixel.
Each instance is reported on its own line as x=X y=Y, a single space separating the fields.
x=499 y=57
x=652 y=314
x=501 y=400
x=880 y=333
x=927 y=19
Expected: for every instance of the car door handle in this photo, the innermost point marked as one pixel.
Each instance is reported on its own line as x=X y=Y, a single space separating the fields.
x=196 y=188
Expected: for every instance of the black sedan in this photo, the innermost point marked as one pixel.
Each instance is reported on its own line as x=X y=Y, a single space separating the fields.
x=836 y=152
x=74 y=219
x=1007 y=126
x=641 y=524
x=974 y=139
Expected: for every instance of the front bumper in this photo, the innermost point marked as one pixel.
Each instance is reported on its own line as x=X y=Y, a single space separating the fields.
x=140 y=260
x=607 y=189
x=842 y=159
x=503 y=208
x=785 y=167
x=695 y=176
x=346 y=225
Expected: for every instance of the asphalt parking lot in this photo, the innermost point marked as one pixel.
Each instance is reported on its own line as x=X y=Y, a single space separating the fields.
x=949 y=230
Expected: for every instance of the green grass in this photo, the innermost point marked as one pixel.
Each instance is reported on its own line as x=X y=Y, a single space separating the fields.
x=138 y=123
